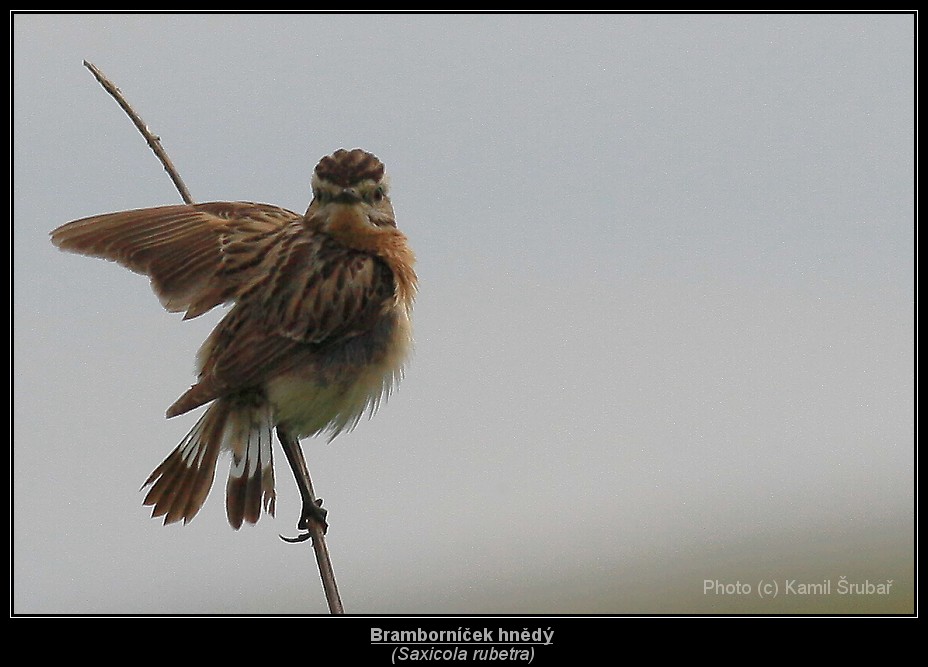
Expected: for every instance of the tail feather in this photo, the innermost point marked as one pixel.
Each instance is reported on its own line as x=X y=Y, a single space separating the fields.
x=251 y=477
x=179 y=485
x=199 y=394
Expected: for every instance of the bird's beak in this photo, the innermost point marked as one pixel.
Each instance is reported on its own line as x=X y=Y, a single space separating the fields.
x=348 y=196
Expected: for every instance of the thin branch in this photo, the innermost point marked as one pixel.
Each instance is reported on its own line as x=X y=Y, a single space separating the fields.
x=324 y=561
x=312 y=511
x=154 y=142
x=313 y=519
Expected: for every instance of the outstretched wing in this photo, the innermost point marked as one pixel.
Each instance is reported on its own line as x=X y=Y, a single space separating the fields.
x=316 y=293
x=198 y=256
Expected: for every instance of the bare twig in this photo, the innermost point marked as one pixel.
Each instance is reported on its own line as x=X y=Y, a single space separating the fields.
x=154 y=142
x=325 y=569
x=313 y=518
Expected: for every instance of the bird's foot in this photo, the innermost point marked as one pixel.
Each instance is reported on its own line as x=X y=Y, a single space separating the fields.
x=312 y=512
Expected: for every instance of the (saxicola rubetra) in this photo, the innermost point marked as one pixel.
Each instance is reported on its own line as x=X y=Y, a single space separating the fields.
x=317 y=335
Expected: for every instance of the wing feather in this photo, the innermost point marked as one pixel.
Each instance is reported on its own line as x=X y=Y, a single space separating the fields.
x=318 y=294
x=197 y=256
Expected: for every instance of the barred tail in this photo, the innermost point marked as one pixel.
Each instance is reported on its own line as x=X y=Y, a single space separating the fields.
x=251 y=477
x=179 y=485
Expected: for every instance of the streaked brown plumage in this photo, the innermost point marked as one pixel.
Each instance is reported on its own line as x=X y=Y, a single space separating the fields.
x=317 y=335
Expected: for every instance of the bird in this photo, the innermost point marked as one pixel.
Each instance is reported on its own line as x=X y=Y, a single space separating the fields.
x=317 y=333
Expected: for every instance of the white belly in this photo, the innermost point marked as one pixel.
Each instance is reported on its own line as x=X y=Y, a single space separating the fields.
x=331 y=394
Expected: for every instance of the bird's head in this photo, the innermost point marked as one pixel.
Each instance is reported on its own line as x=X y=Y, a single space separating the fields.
x=351 y=205
x=350 y=193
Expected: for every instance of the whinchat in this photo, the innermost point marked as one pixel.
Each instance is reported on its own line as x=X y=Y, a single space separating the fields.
x=317 y=336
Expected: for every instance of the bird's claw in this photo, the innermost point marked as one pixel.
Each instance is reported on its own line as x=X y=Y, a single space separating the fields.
x=312 y=512
x=302 y=537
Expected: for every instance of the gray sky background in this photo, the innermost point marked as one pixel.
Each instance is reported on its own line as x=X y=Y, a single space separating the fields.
x=665 y=330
